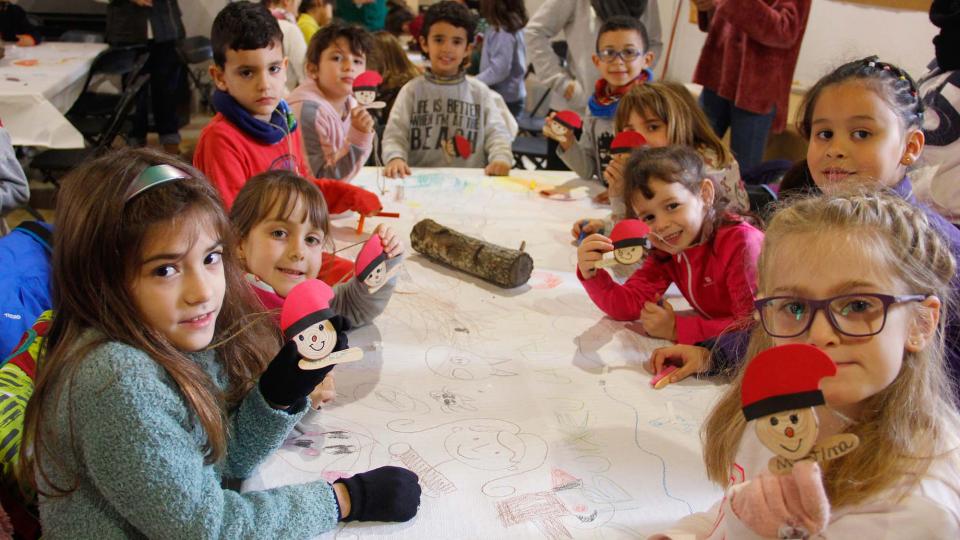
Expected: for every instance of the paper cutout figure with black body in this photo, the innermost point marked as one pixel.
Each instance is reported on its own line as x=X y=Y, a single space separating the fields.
x=457 y=146
x=319 y=334
x=630 y=242
x=561 y=124
x=781 y=387
x=365 y=90
x=371 y=264
x=624 y=143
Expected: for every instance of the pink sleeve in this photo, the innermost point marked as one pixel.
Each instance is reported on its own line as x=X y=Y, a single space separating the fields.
x=625 y=302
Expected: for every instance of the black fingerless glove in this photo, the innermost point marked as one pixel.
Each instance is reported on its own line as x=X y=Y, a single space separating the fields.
x=384 y=494
x=284 y=383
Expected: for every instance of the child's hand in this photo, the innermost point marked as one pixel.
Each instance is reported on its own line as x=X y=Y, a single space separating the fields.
x=590 y=252
x=769 y=502
x=497 y=168
x=397 y=168
x=603 y=197
x=324 y=393
x=692 y=360
x=614 y=177
x=591 y=226
x=659 y=321
x=392 y=245
x=569 y=90
x=383 y=494
x=361 y=120
x=25 y=40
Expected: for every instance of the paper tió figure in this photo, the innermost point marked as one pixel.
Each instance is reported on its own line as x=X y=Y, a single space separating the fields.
x=365 y=90
x=781 y=387
x=624 y=143
x=371 y=264
x=458 y=146
x=561 y=124
x=630 y=242
x=319 y=334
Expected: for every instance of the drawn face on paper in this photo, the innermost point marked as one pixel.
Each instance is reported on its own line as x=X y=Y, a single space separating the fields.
x=559 y=130
x=485 y=447
x=791 y=434
x=365 y=97
x=628 y=255
x=317 y=341
x=377 y=276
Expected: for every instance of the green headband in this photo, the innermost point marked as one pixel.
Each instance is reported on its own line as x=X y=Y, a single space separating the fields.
x=153 y=176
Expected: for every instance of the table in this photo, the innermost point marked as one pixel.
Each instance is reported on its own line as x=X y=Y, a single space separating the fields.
x=33 y=98
x=525 y=411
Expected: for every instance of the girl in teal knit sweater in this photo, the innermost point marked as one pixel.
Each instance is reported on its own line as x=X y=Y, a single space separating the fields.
x=155 y=391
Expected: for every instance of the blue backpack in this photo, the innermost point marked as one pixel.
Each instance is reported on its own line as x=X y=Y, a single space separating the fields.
x=25 y=281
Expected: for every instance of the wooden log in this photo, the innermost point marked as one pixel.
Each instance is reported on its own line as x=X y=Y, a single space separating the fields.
x=501 y=266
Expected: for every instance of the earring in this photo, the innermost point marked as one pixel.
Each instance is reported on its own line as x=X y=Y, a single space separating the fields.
x=907 y=160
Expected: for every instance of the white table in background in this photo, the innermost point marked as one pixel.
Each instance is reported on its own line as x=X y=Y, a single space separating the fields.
x=34 y=98
x=525 y=411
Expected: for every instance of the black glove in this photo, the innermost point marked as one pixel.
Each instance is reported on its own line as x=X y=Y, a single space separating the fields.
x=284 y=383
x=385 y=494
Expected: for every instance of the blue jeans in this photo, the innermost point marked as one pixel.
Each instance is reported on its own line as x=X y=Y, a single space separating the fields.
x=748 y=130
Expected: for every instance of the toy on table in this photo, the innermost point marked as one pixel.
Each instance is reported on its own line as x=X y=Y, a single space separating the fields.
x=501 y=266
x=561 y=124
x=365 y=90
x=371 y=264
x=781 y=387
x=457 y=146
x=629 y=237
x=318 y=333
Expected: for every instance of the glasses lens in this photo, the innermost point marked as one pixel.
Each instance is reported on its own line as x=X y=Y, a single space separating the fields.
x=858 y=315
x=607 y=55
x=629 y=55
x=785 y=317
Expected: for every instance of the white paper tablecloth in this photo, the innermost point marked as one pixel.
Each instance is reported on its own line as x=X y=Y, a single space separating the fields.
x=33 y=98
x=525 y=412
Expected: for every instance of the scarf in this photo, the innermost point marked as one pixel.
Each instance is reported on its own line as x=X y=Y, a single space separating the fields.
x=603 y=103
x=609 y=8
x=282 y=121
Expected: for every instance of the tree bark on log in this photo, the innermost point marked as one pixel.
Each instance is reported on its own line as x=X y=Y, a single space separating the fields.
x=503 y=267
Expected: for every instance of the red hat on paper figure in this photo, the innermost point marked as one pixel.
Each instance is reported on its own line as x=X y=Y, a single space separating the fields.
x=461 y=147
x=569 y=118
x=371 y=255
x=784 y=378
x=629 y=232
x=307 y=304
x=367 y=81
x=626 y=141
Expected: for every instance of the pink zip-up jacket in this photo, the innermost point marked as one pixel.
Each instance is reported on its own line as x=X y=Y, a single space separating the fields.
x=718 y=278
x=334 y=149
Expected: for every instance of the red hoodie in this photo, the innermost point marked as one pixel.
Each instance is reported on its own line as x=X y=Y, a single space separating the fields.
x=718 y=278
x=228 y=157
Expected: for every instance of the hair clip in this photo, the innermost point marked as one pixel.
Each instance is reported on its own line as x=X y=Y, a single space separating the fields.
x=153 y=176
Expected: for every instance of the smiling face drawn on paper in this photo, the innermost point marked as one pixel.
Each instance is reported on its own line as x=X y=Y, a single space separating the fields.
x=485 y=447
x=559 y=130
x=790 y=434
x=377 y=276
x=365 y=97
x=317 y=341
x=628 y=255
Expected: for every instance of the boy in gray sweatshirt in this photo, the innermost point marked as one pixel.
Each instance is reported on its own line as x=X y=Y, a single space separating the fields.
x=443 y=118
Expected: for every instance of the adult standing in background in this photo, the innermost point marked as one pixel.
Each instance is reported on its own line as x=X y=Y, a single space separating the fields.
x=746 y=68
x=579 y=20
x=371 y=14
x=156 y=24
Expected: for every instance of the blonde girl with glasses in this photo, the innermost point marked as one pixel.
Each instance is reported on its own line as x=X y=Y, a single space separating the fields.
x=864 y=278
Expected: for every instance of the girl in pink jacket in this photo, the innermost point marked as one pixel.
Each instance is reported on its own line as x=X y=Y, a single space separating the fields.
x=709 y=253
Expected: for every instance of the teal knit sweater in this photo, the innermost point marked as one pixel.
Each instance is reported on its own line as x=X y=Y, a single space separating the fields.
x=139 y=460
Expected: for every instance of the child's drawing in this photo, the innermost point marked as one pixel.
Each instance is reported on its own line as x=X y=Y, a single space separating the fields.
x=432 y=481
x=462 y=365
x=386 y=398
x=451 y=401
x=332 y=446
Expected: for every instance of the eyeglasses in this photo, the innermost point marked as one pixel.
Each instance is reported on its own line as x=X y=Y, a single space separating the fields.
x=854 y=315
x=627 y=55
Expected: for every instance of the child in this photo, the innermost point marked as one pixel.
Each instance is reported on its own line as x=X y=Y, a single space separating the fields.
x=314 y=15
x=150 y=395
x=337 y=134
x=443 y=109
x=391 y=61
x=709 y=253
x=665 y=113
x=503 y=61
x=623 y=61
x=282 y=225
x=863 y=123
x=254 y=130
x=855 y=253
x=294 y=46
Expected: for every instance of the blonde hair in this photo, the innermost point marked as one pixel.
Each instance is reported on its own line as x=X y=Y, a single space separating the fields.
x=909 y=423
x=685 y=122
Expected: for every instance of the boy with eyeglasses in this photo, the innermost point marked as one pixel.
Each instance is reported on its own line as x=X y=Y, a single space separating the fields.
x=623 y=61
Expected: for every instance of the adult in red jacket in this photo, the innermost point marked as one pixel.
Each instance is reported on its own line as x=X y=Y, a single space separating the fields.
x=746 y=68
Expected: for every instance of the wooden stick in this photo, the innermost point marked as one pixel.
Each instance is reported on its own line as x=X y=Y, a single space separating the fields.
x=360 y=224
x=388 y=214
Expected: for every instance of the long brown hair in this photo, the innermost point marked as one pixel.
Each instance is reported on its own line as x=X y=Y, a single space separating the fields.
x=912 y=421
x=389 y=58
x=97 y=253
x=508 y=15
x=672 y=103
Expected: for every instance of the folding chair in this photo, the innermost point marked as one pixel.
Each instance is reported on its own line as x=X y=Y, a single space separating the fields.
x=93 y=110
x=54 y=163
x=192 y=51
